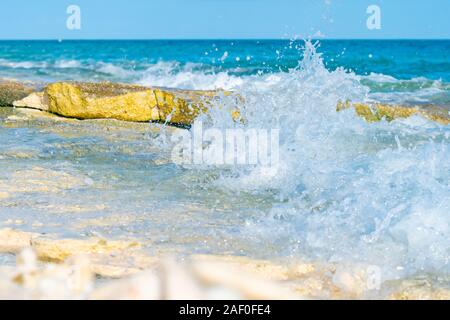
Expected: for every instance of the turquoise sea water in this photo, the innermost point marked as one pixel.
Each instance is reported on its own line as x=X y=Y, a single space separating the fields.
x=412 y=70
x=344 y=191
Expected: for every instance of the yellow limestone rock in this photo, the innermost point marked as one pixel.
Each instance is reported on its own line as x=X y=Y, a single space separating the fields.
x=420 y=289
x=110 y=259
x=231 y=275
x=12 y=241
x=296 y=279
x=60 y=250
x=264 y=269
x=201 y=277
x=127 y=102
x=122 y=263
x=378 y=112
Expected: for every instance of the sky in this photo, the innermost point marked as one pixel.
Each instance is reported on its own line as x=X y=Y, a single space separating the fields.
x=224 y=19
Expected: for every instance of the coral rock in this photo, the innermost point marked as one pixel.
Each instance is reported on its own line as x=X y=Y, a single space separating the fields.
x=378 y=112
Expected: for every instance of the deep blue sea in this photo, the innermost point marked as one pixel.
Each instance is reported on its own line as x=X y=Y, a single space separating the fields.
x=407 y=71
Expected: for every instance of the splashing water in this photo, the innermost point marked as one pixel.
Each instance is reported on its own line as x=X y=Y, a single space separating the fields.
x=344 y=190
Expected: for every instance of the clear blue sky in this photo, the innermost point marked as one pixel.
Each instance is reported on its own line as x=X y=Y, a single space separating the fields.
x=192 y=19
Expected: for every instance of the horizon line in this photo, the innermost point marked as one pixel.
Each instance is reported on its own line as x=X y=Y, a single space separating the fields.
x=230 y=39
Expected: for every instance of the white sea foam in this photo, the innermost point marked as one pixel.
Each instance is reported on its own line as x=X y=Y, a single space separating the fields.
x=112 y=69
x=345 y=190
x=189 y=76
x=22 y=64
x=67 y=64
x=376 y=193
x=377 y=77
x=96 y=66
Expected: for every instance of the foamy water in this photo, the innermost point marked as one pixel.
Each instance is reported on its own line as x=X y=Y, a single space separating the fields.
x=344 y=190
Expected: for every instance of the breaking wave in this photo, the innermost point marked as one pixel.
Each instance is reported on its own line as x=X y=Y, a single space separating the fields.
x=344 y=189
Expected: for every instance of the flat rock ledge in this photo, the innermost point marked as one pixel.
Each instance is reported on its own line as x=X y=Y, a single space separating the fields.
x=51 y=268
x=135 y=103
x=81 y=100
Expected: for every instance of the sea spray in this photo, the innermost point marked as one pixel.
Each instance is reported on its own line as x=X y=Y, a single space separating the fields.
x=347 y=191
x=344 y=190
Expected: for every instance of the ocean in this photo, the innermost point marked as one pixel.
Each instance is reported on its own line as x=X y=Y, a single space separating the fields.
x=406 y=71
x=345 y=191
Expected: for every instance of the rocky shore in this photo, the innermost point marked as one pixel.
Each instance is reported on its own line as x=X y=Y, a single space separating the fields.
x=50 y=266
x=171 y=106
x=112 y=101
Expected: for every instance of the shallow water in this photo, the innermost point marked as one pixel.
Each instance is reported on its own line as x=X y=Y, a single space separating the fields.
x=344 y=190
x=111 y=179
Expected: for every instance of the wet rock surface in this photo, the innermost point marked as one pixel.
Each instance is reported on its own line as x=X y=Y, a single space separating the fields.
x=132 y=274
x=11 y=90
x=67 y=185
x=377 y=112
x=121 y=101
x=127 y=102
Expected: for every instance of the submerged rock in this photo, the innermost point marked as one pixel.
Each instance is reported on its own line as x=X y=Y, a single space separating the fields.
x=42 y=180
x=122 y=102
x=60 y=250
x=11 y=91
x=112 y=259
x=378 y=112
